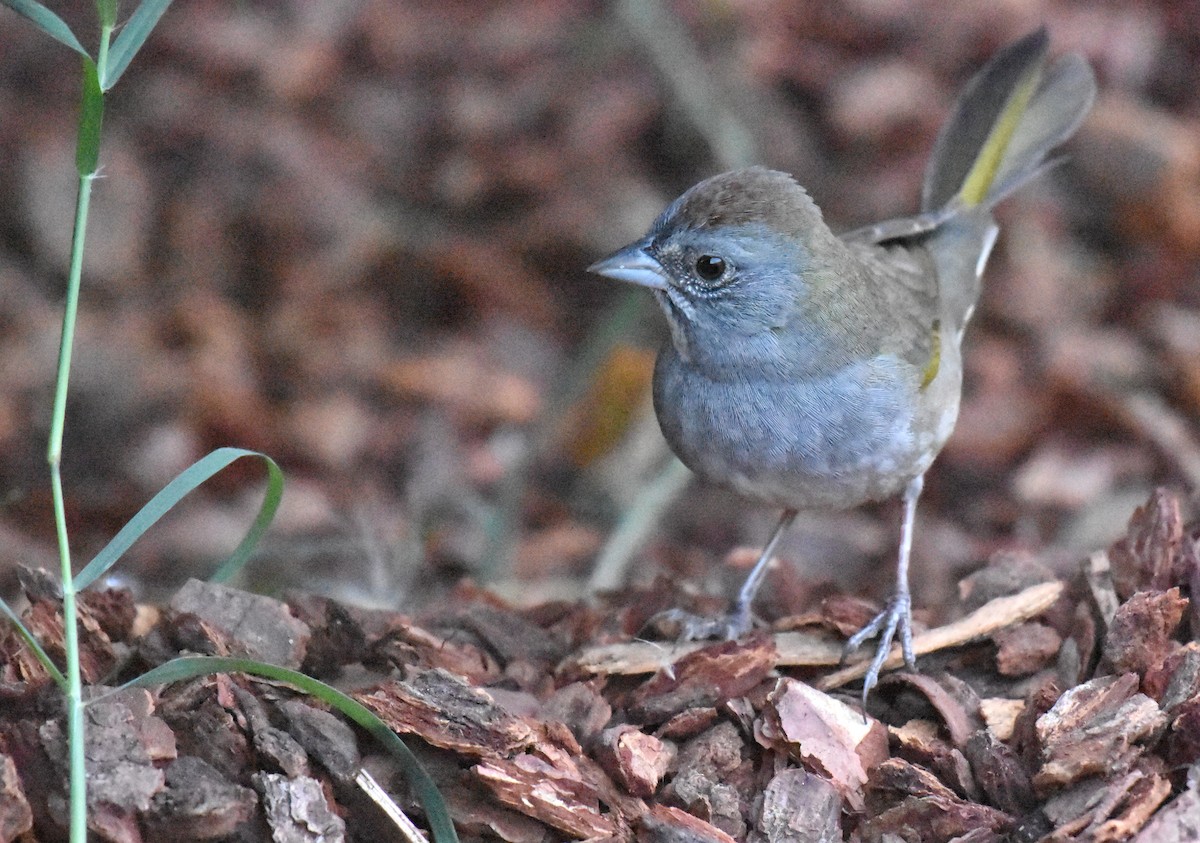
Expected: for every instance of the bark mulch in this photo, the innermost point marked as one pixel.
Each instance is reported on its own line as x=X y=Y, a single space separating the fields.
x=1050 y=711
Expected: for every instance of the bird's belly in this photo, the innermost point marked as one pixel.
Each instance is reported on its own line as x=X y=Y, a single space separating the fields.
x=835 y=442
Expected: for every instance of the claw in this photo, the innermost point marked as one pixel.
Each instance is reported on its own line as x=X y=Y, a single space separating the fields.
x=896 y=617
x=685 y=626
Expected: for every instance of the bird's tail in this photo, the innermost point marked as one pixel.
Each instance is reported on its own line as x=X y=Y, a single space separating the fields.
x=1008 y=118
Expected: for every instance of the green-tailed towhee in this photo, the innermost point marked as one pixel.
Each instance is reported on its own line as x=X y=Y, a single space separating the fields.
x=808 y=369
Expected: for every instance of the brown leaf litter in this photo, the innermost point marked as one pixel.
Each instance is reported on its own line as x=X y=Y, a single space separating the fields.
x=1050 y=710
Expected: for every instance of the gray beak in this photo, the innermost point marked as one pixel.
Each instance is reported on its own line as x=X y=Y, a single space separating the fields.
x=634 y=265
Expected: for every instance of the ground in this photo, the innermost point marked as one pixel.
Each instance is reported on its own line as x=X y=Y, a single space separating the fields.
x=353 y=237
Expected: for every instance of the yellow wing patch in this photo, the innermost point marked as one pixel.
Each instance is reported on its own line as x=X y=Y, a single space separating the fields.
x=935 y=355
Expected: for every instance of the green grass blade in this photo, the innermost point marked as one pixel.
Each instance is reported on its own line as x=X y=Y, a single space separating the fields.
x=47 y=22
x=171 y=494
x=33 y=644
x=91 y=116
x=266 y=513
x=424 y=788
x=134 y=34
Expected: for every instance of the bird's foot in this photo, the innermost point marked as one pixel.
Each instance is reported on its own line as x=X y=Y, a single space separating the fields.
x=686 y=626
x=897 y=617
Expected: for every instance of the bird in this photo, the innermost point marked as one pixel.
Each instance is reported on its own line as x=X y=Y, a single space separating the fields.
x=810 y=370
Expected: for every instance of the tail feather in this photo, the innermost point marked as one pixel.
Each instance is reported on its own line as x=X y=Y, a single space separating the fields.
x=1063 y=99
x=1008 y=118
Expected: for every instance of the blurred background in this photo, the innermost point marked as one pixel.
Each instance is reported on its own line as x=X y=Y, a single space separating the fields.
x=352 y=235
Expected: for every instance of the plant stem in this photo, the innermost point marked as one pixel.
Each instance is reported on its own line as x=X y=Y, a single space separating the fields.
x=77 y=760
x=75 y=733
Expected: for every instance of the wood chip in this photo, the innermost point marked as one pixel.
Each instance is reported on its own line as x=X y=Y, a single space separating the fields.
x=911 y=803
x=1177 y=822
x=1094 y=729
x=298 y=810
x=959 y=716
x=1142 y=634
x=709 y=780
x=1001 y=775
x=324 y=736
x=635 y=760
x=239 y=623
x=1026 y=648
x=444 y=711
x=703 y=678
x=1108 y=809
x=1146 y=558
x=664 y=824
x=16 y=817
x=920 y=742
x=198 y=804
x=549 y=787
x=825 y=734
x=800 y=807
x=581 y=708
x=410 y=644
x=124 y=742
x=689 y=722
x=1001 y=716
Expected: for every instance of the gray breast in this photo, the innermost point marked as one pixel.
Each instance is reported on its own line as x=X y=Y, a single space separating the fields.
x=834 y=441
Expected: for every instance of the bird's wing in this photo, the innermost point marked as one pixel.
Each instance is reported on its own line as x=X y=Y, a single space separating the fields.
x=900 y=228
x=903 y=276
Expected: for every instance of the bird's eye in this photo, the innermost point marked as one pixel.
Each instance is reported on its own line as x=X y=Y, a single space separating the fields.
x=710 y=267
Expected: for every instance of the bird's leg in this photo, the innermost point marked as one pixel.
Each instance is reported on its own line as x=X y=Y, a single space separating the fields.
x=739 y=621
x=898 y=614
x=740 y=617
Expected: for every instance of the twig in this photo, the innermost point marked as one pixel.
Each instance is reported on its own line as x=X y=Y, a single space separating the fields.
x=395 y=813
